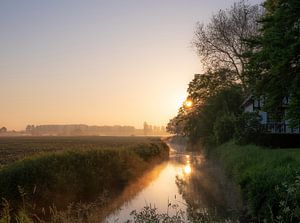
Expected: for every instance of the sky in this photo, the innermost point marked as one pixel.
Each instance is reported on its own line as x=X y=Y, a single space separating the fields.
x=97 y=62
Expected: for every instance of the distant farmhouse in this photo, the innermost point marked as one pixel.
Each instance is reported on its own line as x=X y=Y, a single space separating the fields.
x=270 y=125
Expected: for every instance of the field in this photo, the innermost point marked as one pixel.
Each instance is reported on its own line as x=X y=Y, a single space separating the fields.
x=269 y=179
x=17 y=148
x=62 y=170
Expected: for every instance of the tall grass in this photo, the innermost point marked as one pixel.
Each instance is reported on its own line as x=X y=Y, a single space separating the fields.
x=60 y=178
x=85 y=213
x=269 y=180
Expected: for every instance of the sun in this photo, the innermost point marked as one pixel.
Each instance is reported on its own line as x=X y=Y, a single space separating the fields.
x=188 y=103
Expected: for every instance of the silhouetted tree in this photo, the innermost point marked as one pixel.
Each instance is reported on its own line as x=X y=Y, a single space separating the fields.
x=146 y=128
x=220 y=44
x=177 y=124
x=3 y=129
x=210 y=83
x=30 y=129
x=218 y=92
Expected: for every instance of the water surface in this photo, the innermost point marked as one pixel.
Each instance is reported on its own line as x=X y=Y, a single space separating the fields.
x=185 y=180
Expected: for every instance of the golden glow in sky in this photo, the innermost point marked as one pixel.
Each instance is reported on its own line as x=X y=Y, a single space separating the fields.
x=97 y=62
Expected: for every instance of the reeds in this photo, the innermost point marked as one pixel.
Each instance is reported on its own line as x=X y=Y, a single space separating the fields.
x=79 y=176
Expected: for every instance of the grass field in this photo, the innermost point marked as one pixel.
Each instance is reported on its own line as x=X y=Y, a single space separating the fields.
x=269 y=179
x=62 y=170
x=16 y=148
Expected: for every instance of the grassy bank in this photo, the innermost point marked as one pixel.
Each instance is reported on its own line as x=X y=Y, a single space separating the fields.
x=269 y=179
x=63 y=177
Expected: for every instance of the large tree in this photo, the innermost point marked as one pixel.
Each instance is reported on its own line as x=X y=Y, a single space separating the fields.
x=220 y=43
x=217 y=92
x=213 y=95
x=275 y=60
x=209 y=84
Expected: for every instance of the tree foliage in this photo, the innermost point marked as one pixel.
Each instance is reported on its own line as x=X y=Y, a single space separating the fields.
x=275 y=59
x=244 y=49
x=3 y=129
x=209 y=84
x=220 y=44
x=218 y=91
x=199 y=120
x=177 y=124
x=247 y=128
x=224 y=128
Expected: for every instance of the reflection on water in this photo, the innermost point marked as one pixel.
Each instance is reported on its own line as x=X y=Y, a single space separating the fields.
x=183 y=181
x=187 y=169
x=158 y=193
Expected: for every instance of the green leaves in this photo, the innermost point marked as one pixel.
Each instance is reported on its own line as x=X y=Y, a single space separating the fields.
x=274 y=65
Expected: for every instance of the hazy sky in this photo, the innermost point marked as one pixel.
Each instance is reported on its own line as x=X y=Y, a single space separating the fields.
x=97 y=62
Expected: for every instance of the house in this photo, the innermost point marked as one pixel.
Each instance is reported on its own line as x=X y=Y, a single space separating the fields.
x=270 y=125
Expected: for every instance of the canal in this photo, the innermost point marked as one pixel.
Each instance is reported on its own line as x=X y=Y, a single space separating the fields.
x=187 y=182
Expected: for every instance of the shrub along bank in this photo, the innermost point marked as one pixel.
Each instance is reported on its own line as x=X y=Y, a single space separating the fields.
x=63 y=177
x=269 y=179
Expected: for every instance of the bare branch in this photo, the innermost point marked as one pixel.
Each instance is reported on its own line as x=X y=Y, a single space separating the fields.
x=220 y=43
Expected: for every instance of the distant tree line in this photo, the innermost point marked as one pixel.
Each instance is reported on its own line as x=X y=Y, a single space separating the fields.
x=245 y=50
x=153 y=129
x=65 y=130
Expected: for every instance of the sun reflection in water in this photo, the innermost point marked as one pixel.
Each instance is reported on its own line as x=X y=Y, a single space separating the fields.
x=187 y=169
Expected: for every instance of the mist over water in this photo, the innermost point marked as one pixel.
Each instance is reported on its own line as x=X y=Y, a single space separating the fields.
x=184 y=181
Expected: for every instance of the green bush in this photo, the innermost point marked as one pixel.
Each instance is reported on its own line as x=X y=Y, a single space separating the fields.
x=224 y=128
x=247 y=128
